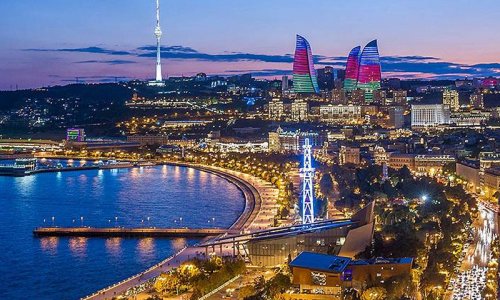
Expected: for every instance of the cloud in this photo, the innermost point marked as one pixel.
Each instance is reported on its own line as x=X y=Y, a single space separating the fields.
x=94 y=49
x=429 y=66
x=109 y=62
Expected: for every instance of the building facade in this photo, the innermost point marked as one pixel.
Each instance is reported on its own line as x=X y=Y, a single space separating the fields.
x=276 y=109
x=304 y=75
x=343 y=114
x=370 y=75
x=352 y=70
x=429 y=115
x=451 y=98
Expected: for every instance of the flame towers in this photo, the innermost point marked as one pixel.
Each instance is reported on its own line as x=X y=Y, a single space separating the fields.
x=304 y=75
x=363 y=71
x=352 y=70
x=369 y=70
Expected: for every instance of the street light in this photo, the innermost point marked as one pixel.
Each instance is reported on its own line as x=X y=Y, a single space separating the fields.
x=81 y=221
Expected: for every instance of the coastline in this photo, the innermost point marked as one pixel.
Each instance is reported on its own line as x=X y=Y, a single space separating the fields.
x=256 y=197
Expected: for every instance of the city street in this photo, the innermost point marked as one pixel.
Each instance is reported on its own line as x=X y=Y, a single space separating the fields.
x=471 y=277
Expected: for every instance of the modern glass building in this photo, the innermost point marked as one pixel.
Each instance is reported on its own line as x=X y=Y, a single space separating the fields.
x=369 y=76
x=305 y=79
x=352 y=70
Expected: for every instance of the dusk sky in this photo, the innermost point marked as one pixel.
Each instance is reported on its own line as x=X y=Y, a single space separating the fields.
x=51 y=42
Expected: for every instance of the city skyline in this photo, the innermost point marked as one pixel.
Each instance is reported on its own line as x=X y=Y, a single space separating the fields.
x=54 y=42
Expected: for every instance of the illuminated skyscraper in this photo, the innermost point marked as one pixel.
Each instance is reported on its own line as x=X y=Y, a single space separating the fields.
x=304 y=75
x=352 y=69
x=370 y=75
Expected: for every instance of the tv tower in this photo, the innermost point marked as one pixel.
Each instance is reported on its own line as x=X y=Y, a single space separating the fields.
x=307 y=172
x=158 y=79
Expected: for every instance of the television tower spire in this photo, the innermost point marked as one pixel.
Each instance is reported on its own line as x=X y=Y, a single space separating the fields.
x=158 y=34
x=307 y=173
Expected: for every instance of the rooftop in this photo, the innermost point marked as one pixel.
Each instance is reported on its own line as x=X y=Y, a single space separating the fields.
x=321 y=262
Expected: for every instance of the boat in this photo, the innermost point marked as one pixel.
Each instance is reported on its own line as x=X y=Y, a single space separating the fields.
x=145 y=164
x=113 y=164
x=21 y=167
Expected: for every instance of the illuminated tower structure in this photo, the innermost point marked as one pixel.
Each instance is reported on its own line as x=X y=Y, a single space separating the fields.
x=158 y=79
x=305 y=80
x=352 y=70
x=370 y=75
x=307 y=173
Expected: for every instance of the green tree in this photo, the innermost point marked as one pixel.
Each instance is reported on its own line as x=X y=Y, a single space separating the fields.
x=374 y=293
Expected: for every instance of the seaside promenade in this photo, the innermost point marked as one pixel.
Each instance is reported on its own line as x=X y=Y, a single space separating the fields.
x=259 y=212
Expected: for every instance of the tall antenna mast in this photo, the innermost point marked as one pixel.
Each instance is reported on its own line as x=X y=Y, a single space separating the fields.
x=158 y=34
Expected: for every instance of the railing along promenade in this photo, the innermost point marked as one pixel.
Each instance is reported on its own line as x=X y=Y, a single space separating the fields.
x=127 y=232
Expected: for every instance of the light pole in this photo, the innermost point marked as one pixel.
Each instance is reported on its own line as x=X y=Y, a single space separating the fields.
x=81 y=221
x=116 y=221
x=148 y=222
x=53 y=221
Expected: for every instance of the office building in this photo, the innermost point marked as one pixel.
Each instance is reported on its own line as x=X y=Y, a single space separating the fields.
x=276 y=109
x=357 y=96
x=429 y=115
x=477 y=100
x=305 y=80
x=396 y=117
x=291 y=141
x=349 y=155
x=380 y=97
x=399 y=97
x=450 y=98
x=284 y=83
x=339 y=96
x=340 y=114
x=300 y=110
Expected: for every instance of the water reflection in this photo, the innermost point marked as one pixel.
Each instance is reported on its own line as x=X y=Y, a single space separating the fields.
x=179 y=243
x=146 y=249
x=113 y=246
x=49 y=244
x=78 y=246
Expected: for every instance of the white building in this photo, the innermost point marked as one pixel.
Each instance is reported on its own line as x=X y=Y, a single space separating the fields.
x=428 y=115
x=340 y=113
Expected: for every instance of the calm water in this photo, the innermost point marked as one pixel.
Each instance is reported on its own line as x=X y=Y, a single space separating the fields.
x=68 y=268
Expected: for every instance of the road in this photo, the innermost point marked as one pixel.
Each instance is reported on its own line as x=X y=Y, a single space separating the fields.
x=470 y=279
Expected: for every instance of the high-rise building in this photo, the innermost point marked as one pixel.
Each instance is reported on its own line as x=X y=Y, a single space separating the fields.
x=352 y=69
x=326 y=78
x=357 y=96
x=396 y=119
x=477 y=100
x=380 y=97
x=284 y=83
x=427 y=115
x=450 y=98
x=399 y=97
x=370 y=75
x=339 y=96
x=300 y=109
x=276 y=109
x=305 y=80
